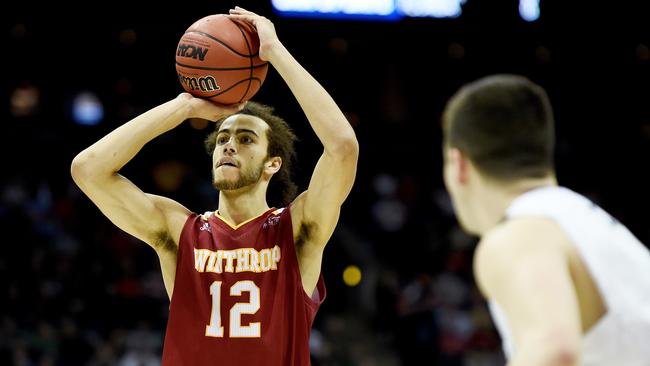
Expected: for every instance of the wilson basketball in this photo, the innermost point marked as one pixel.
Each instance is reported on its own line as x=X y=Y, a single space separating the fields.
x=218 y=59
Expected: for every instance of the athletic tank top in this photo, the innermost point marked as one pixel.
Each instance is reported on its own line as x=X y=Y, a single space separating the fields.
x=238 y=297
x=619 y=265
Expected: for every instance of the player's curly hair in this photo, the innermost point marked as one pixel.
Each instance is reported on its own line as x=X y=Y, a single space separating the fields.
x=281 y=143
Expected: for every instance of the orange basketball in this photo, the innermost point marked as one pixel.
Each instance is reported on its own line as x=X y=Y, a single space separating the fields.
x=218 y=59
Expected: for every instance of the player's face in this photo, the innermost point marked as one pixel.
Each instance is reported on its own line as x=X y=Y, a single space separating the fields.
x=240 y=153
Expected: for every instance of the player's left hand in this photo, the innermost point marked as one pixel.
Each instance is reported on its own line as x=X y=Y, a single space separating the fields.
x=265 y=29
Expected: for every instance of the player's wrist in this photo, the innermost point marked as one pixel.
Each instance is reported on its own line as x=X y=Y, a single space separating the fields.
x=184 y=105
x=272 y=50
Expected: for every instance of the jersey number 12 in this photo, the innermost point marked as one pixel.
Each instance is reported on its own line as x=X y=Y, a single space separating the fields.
x=252 y=330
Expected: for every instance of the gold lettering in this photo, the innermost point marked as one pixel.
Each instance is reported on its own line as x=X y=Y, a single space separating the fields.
x=275 y=256
x=200 y=256
x=255 y=261
x=242 y=259
x=230 y=256
x=265 y=259
x=248 y=260
x=210 y=266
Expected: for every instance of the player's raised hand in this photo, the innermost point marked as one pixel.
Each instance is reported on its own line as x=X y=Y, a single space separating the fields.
x=265 y=29
x=202 y=108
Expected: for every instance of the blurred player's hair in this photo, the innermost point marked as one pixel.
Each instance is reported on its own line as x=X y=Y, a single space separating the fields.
x=504 y=125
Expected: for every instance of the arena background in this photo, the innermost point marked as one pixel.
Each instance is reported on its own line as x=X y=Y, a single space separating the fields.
x=75 y=290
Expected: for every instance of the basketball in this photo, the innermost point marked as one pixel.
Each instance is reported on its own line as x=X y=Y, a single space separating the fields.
x=218 y=59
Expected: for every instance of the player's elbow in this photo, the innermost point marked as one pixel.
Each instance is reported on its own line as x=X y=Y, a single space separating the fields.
x=558 y=347
x=564 y=355
x=347 y=147
x=81 y=168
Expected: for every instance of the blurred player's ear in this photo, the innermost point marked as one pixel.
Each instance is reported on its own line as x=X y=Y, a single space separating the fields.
x=459 y=165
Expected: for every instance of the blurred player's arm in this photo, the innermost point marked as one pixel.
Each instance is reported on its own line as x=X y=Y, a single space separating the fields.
x=316 y=211
x=150 y=218
x=523 y=267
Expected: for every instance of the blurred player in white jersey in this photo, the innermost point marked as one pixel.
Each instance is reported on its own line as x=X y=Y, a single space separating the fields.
x=566 y=283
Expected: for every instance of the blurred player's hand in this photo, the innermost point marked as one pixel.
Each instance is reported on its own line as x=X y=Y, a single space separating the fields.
x=202 y=108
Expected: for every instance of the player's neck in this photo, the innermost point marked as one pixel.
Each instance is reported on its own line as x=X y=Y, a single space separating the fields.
x=497 y=198
x=242 y=205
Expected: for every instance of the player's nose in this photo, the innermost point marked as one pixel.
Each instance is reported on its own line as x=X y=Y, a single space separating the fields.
x=229 y=147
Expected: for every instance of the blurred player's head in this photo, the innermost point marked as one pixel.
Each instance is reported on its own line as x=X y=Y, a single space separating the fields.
x=497 y=131
x=251 y=147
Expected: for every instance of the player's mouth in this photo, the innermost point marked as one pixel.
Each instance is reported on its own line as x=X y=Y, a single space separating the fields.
x=227 y=162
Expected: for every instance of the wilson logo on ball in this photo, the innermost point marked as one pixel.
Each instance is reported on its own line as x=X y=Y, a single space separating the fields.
x=190 y=51
x=202 y=83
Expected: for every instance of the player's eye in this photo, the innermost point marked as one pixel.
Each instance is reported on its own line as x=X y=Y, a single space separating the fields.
x=222 y=139
x=245 y=140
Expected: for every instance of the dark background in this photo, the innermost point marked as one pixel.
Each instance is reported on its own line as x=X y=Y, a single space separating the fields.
x=75 y=290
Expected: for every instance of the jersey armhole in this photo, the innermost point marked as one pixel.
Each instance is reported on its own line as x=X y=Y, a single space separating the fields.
x=185 y=232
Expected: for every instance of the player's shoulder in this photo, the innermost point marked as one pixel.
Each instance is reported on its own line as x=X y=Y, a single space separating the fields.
x=522 y=231
x=518 y=237
x=299 y=201
x=515 y=243
x=296 y=206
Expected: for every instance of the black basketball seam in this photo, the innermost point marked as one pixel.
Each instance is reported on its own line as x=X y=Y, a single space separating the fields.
x=224 y=44
x=250 y=71
x=220 y=68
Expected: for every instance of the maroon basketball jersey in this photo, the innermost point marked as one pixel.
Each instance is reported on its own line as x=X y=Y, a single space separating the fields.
x=238 y=297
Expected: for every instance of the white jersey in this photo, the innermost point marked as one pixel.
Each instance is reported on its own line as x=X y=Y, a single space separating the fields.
x=619 y=265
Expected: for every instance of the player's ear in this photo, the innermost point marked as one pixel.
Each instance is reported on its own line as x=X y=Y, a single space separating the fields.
x=459 y=165
x=273 y=165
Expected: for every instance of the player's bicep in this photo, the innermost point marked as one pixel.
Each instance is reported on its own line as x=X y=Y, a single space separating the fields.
x=528 y=276
x=329 y=186
x=128 y=207
x=315 y=212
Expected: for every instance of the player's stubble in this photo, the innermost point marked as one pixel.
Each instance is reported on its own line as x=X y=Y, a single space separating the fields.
x=247 y=177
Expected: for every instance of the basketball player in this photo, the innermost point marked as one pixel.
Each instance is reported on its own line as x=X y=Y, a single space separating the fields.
x=244 y=281
x=566 y=283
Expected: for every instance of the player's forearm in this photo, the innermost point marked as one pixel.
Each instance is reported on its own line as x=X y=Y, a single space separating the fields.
x=113 y=151
x=327 y=120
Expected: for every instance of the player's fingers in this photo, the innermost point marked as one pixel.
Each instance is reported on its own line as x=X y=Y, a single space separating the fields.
x=245 y=18
x=244 y=10
x=240 y=17
x=240 y=106
x=223 y=110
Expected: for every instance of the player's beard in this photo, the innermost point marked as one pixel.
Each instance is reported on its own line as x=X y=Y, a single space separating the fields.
x=246 y=178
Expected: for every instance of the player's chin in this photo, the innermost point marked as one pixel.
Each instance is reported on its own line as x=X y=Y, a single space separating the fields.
x=226 y=174
x=226 y=183
x=468 y=226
